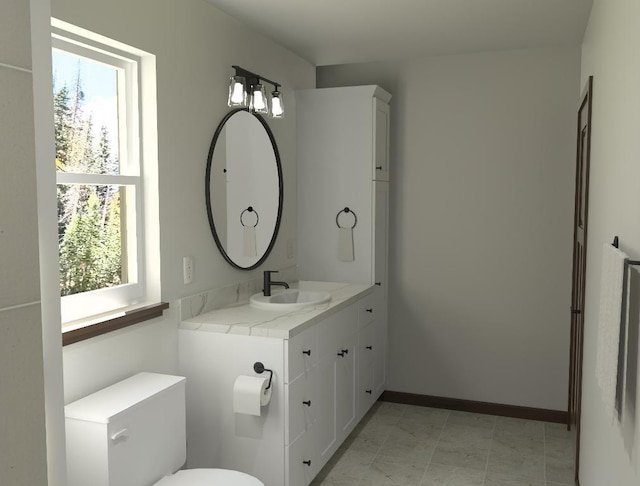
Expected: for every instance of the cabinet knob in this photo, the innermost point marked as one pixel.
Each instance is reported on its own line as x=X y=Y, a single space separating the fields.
x=307 y=463
x=307 y=352
x=378 y=167
x=379 y=284
x=369 y=391
x=345 y=351
x=341 y=354
x=369 y=310
x=306 y=402
x=369 y=347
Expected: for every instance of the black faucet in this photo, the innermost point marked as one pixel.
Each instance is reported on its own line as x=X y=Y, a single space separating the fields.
x=266 y=289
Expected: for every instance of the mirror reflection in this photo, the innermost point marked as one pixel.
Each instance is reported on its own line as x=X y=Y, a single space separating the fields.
x=244 y=189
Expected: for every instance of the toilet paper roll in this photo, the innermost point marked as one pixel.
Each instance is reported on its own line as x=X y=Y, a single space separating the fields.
x=250 y=393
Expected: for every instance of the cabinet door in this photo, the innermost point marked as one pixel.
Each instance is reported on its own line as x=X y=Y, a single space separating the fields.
x=346 y=388
x=381 y=140
x=325 y=425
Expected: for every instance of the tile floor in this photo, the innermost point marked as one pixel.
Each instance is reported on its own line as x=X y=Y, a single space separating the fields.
x=405 y=445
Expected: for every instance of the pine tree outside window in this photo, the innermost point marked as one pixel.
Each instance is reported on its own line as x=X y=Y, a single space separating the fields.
x=99 y=176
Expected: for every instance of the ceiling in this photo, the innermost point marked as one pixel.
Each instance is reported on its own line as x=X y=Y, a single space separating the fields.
x=345 y=31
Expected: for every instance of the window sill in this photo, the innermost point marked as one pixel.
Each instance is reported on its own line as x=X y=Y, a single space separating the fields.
x=77 y=331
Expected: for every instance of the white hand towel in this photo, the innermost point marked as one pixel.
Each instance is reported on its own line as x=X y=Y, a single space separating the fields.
x=609 y=324
x=249 y=241
x=345 y=245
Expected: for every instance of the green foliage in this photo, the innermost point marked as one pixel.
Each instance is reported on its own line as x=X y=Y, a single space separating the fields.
x=89 y=223
x=62 y=124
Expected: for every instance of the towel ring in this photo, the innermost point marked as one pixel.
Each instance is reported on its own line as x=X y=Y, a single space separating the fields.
x=347 y=210
x=251 y=210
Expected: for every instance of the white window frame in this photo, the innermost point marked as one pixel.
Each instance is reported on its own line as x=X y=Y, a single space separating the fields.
x=88 y=305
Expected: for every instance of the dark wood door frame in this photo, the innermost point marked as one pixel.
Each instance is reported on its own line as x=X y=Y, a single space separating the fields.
x=580 y=226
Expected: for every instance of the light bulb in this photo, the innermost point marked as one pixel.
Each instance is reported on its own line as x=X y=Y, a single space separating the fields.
x=237 y=92
x=259 y=100
x=277 y=108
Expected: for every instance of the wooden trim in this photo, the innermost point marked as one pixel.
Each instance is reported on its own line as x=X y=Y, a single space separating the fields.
x=114 y=322
x=578 y=358
x=556 y=416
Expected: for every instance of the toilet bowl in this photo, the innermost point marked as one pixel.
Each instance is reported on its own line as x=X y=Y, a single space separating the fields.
x=209 y=477
x=133 y=434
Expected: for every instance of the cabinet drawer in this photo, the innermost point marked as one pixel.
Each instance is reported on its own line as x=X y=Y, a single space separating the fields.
x=335 y=330
x=366 y=391
x=367 y=310
x=301 y=352
x=301 y=463
x=367 y=344
x=301 y=402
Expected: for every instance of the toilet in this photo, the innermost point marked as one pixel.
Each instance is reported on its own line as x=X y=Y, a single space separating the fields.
x=133 y=434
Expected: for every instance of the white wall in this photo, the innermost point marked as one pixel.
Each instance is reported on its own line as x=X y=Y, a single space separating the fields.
x=481 y=216
x=22 y=416
x=610 y=54
x=195 y=45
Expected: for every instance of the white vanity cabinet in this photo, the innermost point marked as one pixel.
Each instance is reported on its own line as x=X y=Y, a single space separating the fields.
x=329 y=395
x=320 y=377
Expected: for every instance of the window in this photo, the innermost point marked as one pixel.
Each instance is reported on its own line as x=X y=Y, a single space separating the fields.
x=101 y=172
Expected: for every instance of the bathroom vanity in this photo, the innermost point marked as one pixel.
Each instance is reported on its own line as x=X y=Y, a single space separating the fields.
x=328 y=360
x=328 y=370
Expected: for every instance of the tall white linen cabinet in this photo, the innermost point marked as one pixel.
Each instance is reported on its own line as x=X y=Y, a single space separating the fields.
x=343 y=182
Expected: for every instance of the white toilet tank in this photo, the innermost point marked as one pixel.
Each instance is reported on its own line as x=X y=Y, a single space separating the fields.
x=129 y=434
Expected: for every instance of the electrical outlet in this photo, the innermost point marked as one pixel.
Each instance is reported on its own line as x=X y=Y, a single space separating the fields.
x=187 y=269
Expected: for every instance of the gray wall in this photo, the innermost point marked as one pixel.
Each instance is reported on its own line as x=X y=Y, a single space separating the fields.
x=22 y=422
x=481 y=222
x=610 y=54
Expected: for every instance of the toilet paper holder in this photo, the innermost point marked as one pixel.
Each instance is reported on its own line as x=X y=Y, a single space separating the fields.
x=259 y=368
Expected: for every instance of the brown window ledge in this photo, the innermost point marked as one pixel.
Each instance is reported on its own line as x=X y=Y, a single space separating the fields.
x=112 y=322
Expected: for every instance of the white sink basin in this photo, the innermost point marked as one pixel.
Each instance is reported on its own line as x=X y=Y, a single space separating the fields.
x=289 y=299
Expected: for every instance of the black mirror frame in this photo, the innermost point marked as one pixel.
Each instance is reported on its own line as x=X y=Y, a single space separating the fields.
x=212 y=225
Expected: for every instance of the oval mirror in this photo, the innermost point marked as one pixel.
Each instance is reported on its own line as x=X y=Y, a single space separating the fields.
x=243 y=189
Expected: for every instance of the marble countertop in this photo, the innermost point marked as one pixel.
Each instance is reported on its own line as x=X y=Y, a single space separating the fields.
x=251 y=321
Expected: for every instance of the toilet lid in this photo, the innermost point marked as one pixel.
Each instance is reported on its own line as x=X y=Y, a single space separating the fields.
x=209 y=477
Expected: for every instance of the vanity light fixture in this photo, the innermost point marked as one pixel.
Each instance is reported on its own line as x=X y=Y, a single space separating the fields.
x=246 y=90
